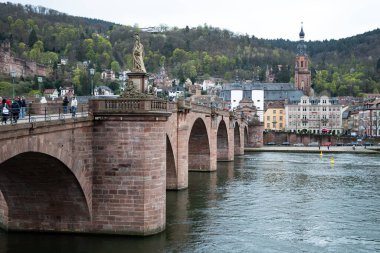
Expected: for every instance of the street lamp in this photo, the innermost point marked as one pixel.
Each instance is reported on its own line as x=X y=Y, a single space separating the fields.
x=121 y=82
x=92 y=73
x=13 y=74
x=39 y=79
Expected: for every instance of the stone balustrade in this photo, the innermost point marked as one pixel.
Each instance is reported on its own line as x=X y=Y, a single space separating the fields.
x=127 y=105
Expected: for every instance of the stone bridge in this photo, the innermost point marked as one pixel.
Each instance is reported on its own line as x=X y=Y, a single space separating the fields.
x=109 y=172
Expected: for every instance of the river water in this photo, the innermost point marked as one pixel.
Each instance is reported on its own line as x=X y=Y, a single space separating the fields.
x=261 y=202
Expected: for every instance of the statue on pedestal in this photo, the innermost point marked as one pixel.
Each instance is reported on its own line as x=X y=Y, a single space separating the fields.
x=138 y=55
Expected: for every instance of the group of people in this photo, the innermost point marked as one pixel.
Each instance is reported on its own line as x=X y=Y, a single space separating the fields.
x=73 y=105
x=12 y=109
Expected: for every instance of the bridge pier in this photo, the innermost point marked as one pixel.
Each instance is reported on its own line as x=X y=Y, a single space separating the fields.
x=129 y=181
x=239 y=139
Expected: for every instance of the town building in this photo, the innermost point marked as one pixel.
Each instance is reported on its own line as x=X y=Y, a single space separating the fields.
x=260 y=93
x=269 y=75
x=369 y=119
x=51 y=93
x=274 y=116
x=108 y=75
x=314 y=115
x=67 y=91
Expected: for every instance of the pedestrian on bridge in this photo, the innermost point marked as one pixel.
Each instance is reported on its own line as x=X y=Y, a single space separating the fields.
x=65 y=104
x=4 y=111
x=74 y=105
x=15 y=109
x=23 y=107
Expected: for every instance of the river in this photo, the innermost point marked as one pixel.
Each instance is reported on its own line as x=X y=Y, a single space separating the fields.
x=261 y=202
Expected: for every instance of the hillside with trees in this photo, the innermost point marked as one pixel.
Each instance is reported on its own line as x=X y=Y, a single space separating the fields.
x=349 y=66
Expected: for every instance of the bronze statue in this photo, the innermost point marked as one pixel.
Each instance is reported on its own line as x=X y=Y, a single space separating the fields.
x=138 y=56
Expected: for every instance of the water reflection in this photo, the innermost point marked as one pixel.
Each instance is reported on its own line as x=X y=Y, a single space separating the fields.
x=262 y=202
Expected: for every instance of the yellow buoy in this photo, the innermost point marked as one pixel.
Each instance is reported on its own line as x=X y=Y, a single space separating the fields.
x=321 y=154
x=332 y=160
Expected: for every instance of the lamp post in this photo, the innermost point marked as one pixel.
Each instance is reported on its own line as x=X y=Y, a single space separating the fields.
x=39 y=79
x=92 y=73
x=13 y=74
x=121 y=83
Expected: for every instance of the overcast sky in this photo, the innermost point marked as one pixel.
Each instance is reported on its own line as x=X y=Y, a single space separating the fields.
x=322 y=19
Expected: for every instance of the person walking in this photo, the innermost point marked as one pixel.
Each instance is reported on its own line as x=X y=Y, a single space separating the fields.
x=74 y=105
x=15 y=110
x=65 y=104
x=23 y=108
x=4 y=111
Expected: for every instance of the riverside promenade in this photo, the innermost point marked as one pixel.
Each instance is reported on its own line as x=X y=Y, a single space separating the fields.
x=324 y=149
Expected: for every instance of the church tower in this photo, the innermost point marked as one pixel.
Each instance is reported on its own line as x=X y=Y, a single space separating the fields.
x=302 y=78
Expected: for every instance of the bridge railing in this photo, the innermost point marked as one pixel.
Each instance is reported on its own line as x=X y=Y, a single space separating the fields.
x=43 y=112
x=121 y=105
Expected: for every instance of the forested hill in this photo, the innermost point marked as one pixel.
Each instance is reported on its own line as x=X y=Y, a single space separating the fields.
x=348 y=66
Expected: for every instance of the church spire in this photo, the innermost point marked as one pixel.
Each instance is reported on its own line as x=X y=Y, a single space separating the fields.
x=302 y=33
x=301 y=47
x=302 y=78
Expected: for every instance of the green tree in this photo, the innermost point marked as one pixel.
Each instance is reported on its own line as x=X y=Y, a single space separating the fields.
x=32 y=38
x=115 y=67
x=36 y=52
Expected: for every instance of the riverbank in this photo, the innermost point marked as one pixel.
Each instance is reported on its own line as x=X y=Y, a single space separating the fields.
x=331 y=149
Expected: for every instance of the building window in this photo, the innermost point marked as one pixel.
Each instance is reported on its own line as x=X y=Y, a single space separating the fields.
x=280 y=111
x=268 y=117
x=280 y=117
x=280 y=125
x=274 y=111
x=274 y=118
x=268 y=125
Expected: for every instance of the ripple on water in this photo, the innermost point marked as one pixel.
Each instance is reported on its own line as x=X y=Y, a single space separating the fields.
x=297 y=203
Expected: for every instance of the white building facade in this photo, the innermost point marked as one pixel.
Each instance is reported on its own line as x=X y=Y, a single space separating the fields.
x=314 y=115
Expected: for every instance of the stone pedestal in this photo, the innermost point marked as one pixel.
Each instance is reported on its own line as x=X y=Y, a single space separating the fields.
x=129 y=186
x=139 y=80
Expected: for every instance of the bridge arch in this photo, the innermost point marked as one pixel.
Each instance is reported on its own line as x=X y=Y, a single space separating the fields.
x=222 y=142
x=171 y=168
x=40 y=192
x=199 y=147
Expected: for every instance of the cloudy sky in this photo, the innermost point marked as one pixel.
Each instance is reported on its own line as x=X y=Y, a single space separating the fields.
x=323 y=19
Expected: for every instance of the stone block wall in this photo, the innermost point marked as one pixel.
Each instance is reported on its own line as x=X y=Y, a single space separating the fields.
x=129 y=181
